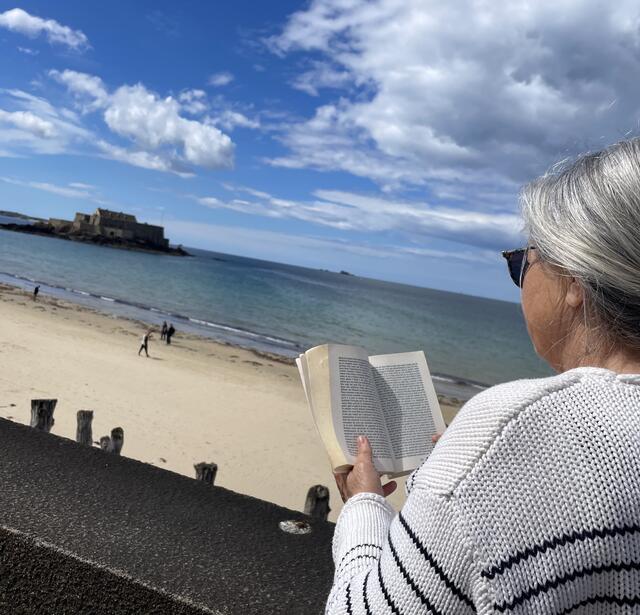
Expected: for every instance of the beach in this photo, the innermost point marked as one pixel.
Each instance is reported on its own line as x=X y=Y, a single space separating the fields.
x=196 y=400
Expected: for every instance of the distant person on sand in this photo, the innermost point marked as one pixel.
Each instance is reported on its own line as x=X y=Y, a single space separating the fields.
x=36 y=290
x=144 y=345
x=170 y=331
x=163 y=332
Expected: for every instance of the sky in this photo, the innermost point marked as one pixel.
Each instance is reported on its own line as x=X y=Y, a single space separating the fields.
x=388 y=138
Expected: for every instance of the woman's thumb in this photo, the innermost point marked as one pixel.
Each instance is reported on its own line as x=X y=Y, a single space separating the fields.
x=364 y=449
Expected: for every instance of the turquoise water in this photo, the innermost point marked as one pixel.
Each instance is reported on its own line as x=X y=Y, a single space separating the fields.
x=280 y=308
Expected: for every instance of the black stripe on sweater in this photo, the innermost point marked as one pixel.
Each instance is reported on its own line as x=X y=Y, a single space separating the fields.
x=553 y=543
x=385 y=593
x=434 y=564
x=349 y=610
x=339 y=567
x=621 y=602
x=353 y=559
x=411 y=582
x=365 y=544
x=364 y=594
x=561 y=580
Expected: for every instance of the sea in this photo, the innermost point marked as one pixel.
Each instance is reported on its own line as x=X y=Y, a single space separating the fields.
x=470 y=342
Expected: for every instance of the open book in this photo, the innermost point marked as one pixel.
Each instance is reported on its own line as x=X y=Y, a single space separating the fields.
x=388 y=398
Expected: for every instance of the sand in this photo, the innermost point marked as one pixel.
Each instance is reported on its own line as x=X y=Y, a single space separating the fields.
x=196 y=400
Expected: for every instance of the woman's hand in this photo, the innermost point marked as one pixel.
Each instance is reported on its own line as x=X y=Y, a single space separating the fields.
x=363 y=477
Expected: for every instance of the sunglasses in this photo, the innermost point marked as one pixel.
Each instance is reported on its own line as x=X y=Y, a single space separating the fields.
x=517 y=263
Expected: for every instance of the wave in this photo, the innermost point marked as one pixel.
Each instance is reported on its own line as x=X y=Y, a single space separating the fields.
x=261 y=341
x=244 y=332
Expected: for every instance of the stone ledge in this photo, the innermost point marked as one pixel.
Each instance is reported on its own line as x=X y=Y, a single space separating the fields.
x=83 y=531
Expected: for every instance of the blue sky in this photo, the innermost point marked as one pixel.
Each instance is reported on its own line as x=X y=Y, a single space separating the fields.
x=385 y=137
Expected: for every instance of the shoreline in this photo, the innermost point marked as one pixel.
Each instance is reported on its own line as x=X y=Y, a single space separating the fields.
x=453 y=388
x=196 y=400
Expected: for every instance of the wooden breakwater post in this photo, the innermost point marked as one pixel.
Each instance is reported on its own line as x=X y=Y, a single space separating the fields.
x=317 y=502
x=42 y=413
x=117 y=439
x=206 y=472
x=84 y=433
x=105 y=444
x=113 y=444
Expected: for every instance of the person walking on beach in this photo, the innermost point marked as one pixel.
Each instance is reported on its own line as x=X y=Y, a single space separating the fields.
x=529 y=501
x=36 y=290
x=144 y=344
x=163 y=331
x=170 y=331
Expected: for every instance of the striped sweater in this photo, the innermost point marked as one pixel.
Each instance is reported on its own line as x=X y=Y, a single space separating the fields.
x=529 y=503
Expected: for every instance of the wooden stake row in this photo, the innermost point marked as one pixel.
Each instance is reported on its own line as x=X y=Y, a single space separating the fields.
x=316 y=504
x=42 y=420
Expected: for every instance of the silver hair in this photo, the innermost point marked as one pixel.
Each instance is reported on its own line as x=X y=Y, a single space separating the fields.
x=583 y=217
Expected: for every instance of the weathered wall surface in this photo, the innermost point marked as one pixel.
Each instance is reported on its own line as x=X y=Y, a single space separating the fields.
x=83 y=531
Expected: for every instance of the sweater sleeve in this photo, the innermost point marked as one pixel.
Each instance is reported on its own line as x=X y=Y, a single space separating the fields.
x=418 y=561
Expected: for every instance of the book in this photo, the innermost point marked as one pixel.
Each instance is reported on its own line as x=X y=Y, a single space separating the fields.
x=388 y=398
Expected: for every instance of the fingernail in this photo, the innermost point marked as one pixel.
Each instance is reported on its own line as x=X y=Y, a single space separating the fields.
x=361 y=439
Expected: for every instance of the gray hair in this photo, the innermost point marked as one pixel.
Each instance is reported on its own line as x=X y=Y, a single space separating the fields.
x=584 y=217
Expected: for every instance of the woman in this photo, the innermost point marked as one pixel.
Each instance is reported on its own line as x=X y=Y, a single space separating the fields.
x=530 y=502
x=144 y=343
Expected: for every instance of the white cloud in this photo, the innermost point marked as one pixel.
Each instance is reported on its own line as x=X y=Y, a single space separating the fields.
x=70 y=191
x=37 y=126
x=28 y=51
x=32 y=26
x=161 y=138
x=320 y=76
x=29 y=122
x=73 y=190
x=372 y=214
x=230 y=119
x=193 y=101
x=140 y=158
x=85 y=87
x=221 y=79
x=441 y=93
x=153 y=123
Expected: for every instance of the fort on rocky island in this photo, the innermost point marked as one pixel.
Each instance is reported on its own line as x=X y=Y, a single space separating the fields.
x=111 y=224
x=104 y=227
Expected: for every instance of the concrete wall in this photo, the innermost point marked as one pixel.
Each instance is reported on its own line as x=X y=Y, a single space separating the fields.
x=83 y=531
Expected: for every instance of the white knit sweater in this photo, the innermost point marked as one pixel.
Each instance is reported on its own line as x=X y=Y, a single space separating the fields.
x=529 y=503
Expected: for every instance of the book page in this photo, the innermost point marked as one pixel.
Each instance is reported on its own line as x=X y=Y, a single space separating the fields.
x=409 y=404
x=356 y=407
x=314 y=368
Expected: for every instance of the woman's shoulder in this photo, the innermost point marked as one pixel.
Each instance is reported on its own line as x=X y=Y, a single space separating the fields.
x=477 y=425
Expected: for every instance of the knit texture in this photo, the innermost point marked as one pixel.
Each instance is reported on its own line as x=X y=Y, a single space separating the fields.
x=529 y=503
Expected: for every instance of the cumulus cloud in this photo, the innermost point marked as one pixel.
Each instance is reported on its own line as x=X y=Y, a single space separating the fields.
x=220 y=79
x=160 y=137
x=18 y=20
x=439 y=93
x=155 y=123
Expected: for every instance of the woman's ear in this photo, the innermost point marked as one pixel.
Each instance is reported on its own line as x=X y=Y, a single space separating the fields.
x=574 y=295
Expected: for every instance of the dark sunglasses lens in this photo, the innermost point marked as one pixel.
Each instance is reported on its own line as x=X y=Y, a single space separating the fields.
x=515 y=266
